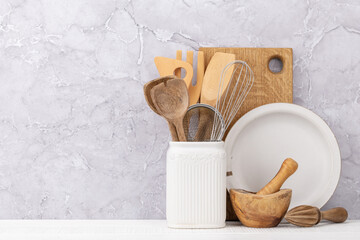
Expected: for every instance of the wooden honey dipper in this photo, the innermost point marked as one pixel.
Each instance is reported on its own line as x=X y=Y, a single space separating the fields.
x=267 y=207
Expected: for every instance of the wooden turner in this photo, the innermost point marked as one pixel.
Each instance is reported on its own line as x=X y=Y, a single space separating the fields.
x=210 y=86
x=308 y=216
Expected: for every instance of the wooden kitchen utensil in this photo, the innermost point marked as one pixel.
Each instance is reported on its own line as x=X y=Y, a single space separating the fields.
x=194 y=90
x=211 y=82
x=147 y=88
x=167 y=66
x=178 y=57
x=268 y=87
x=308 y=216
x=263 y=211
x=288 y=167
x=171 y=100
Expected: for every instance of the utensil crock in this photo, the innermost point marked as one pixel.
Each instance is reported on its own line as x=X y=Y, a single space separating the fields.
x=196 y=185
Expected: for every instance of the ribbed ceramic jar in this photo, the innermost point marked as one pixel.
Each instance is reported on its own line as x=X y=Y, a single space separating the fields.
x=196 y=185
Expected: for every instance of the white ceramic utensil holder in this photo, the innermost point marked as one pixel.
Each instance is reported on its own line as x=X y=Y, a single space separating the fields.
x=196 y=185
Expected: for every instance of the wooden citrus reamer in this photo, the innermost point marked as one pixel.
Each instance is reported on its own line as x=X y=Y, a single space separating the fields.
x=267 y=207
x=308 y=216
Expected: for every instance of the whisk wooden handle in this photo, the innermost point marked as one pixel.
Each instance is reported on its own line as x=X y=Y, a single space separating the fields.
x=288 y=167
x=336 y=215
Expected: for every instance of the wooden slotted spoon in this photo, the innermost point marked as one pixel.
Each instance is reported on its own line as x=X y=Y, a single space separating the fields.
x=147 y=88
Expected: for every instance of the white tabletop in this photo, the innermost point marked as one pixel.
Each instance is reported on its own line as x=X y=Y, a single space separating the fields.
x=157 y=229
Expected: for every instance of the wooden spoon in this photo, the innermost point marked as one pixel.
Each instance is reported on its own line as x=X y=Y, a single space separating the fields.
x=308 y=216
x=147 y=88
x=171 y=99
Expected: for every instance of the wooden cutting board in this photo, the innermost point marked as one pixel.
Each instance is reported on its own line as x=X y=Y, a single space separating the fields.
x=268 y=87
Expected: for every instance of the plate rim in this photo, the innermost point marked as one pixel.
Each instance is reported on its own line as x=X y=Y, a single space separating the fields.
x=305 y=113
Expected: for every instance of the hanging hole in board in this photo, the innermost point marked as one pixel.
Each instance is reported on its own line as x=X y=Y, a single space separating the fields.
x=275 y=65
x=182 y=70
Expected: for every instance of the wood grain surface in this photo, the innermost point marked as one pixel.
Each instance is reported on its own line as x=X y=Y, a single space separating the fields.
x=268 y=87
x=171 y=101
x=288 y=167
x=147 y=88
x=260 y=211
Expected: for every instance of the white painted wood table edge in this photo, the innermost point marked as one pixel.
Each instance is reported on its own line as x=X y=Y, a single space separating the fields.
x=157 y=229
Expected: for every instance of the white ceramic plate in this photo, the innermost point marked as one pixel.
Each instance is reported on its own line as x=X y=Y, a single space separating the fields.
x=263 y=138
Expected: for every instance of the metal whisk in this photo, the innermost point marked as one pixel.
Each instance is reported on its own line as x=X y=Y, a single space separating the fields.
x=198 y=122
x=231 y=95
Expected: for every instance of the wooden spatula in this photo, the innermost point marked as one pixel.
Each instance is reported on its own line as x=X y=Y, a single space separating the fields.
x=308 y=216
x=210 y=86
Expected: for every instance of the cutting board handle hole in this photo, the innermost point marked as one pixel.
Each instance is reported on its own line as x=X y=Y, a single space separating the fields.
x=275 y=64
x=182 y=70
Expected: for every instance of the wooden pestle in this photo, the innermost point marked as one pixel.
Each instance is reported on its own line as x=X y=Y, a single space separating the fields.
x=288 y=167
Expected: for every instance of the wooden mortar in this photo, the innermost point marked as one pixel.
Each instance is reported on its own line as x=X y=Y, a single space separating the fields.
x=267 y=207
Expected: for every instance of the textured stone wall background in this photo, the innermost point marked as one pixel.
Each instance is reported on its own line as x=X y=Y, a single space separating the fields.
x=76 y=137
